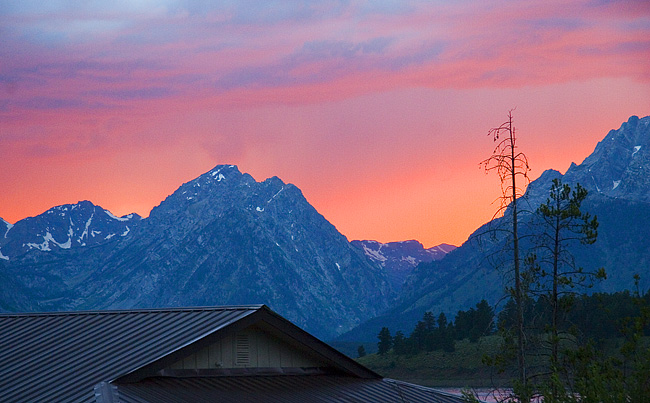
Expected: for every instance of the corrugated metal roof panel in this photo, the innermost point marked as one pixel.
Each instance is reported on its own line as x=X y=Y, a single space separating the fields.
x=263 y=389
x=74 y=357
x=62 y=356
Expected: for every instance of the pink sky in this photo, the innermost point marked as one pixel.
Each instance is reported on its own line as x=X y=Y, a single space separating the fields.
x=377 y=110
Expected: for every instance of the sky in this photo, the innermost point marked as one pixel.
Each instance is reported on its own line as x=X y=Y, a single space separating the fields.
x=377 y=110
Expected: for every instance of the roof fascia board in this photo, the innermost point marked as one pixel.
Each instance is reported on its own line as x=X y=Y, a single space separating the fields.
x=328 y=352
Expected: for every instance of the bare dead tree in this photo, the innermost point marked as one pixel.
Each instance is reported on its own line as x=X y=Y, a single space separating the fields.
x=512 y=168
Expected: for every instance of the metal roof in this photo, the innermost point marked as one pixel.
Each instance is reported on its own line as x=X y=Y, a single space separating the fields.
x=266 y=389
x=94 y=356
x=62 y=356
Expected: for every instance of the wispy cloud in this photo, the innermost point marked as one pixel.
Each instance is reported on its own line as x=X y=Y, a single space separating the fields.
x=275 y=82
x=245 y=45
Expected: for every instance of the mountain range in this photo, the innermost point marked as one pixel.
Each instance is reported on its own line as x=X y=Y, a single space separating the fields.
x=617 y=177
x=224 y=238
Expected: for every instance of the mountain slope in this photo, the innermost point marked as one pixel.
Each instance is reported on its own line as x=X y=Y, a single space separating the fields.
x=619 y=167
x=617 y=175
x=222 y=238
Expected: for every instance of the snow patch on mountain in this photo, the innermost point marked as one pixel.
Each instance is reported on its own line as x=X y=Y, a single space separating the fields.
x=114 y=217
x=373 y=253
x=8 y=226
x=85 y=233
x=275 y=195
x=45 y=245
x=217 y=175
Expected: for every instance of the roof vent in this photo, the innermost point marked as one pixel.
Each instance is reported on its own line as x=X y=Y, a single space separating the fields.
x=242 y=350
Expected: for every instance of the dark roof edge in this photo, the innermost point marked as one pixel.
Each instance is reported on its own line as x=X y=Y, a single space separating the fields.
x=139 y=310
x=330 y=353
x=424 y=388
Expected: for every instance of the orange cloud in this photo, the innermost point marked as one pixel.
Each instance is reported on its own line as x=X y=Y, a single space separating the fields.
x=376 y=110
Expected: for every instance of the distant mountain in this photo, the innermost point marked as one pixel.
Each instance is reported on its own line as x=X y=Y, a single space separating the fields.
x=64 y=227
x=400 y=258
x=617 y=175
x=222 y=238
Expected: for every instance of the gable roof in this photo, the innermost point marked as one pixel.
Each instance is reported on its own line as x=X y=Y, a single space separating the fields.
x=63 y=355
x=110 y=356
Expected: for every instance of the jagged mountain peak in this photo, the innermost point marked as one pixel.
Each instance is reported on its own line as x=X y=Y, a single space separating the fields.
x=411 y=251
x=619 y=167
x=218 y=190
x=620 y=164
x=87 y=209
x=623 y=146
x=64 y=227
x=221 y=175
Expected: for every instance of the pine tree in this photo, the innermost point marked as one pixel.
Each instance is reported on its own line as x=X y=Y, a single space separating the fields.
x=562 y=224
x=400 y=343
x=385 y=341
x=419 y=336
x=482 y=321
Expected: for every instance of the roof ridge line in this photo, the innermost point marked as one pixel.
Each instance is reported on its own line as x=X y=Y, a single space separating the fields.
x=137 y=310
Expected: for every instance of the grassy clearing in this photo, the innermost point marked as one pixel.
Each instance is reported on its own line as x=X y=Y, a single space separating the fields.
x=462 y=368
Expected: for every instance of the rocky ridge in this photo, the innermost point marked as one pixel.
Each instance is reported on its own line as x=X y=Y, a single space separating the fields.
x=220 y=239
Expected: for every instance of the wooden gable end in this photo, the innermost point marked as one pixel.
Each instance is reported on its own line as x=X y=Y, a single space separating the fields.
x=262 y=343
x=252 y=347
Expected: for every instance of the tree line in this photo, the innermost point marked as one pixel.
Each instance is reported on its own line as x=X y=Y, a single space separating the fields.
x=597 y=317
x=593 y=319
x=438 y=333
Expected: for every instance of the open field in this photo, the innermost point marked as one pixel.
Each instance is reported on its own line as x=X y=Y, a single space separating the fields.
x=462 y=368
